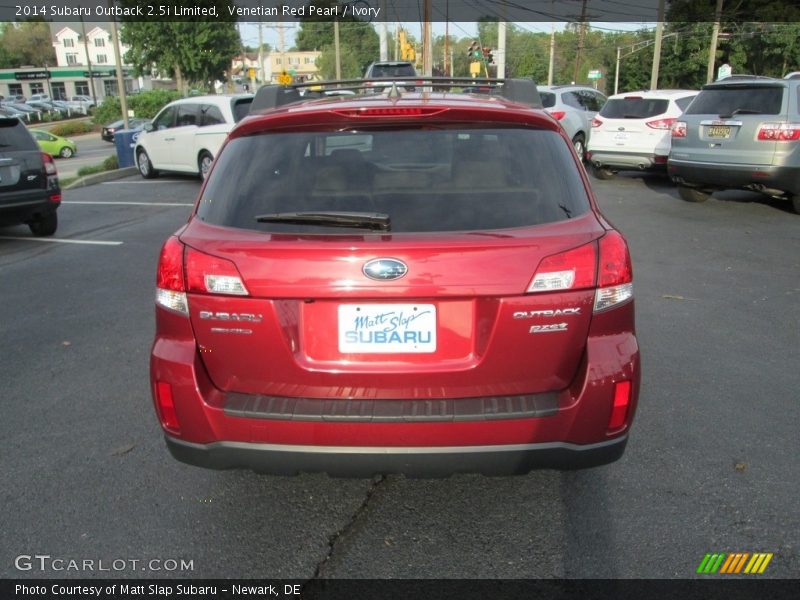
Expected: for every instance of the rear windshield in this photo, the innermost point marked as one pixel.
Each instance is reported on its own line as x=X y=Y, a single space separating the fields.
x=241 y=108
x=14 y=136
x=761 y=100
x=633 y=108
x=393 y=71
x=424 y=180
x=548 y=99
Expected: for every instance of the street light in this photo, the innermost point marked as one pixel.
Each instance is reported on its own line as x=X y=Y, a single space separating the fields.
x=633 y=49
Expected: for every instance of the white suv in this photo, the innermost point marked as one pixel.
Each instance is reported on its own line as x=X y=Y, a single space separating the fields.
x=188 y=133
x=632 y=131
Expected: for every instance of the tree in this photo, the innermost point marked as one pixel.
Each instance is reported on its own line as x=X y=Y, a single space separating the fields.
x=358 y=43
x=26 y=43
x=198 y=51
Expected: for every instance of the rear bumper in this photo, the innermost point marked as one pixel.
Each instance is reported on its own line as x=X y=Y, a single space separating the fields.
x=735 y=176
x=25 y=206
x=639 y=161
x=340 y=461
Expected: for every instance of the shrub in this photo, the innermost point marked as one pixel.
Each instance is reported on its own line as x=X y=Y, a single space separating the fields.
x=71 y=128
x=109 y=164
x=144 y=105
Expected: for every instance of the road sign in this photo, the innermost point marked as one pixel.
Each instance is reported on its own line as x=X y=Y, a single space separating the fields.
x=475 y=68
x=595 y=74
x=724 y=71
x=284 y=78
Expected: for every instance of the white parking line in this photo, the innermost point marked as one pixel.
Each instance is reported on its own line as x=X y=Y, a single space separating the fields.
x=60 y=241
x=129 y=203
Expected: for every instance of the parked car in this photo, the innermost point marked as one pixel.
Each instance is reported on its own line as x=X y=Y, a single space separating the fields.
x=39 y=98
x=29 y=189
x=573 y=106
x=402 y=73
x=739 y=133
x=54 y=145
x=420 y=284
x=107 y=132
x=632 y=131
x=188 y=133
x=83 y=99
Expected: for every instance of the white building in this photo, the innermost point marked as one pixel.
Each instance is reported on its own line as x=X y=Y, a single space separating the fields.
x=71 y=47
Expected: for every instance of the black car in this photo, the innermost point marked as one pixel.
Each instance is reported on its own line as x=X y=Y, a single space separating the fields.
x=29 y=189
x=107 y=133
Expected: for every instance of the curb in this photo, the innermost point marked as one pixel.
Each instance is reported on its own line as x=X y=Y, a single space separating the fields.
x=102 y=177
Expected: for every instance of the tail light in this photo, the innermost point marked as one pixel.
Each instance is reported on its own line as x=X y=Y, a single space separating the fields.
x=207 y=274
x=571 y=270
x=49 y=164
x=779 y=132
x=605 y=264
x=614 y=272
x=661 y=123
x=679 y=129
x=597 y=122
x=204 y=274
x=393 y=111
x=170 y=288
x=558 y=114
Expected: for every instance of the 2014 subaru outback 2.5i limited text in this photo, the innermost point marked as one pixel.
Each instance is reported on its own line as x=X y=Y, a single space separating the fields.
x=398 y=282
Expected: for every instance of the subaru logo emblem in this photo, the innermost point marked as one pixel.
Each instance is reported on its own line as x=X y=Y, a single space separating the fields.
x=384 y=269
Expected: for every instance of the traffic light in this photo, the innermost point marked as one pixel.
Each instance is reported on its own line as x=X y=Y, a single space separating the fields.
x=487 y=55
x=474 y=50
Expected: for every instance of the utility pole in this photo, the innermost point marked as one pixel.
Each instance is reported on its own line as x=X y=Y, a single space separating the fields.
x=712 y=51
x=88 y=62
x=427 y=40
x=447 y=40
x=581 y=36
x=383 y=35
x=123 y=102
x=616 y=71
x=280 y=28
x=502 y=27
x=337 y=50
x=260 y=54
x=657 y=48
x=552 y=54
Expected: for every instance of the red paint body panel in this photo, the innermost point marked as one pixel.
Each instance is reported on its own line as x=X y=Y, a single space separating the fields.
x=492 y=336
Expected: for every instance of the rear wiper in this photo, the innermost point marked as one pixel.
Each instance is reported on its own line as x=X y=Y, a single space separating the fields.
x=741 y=111
x=361 y=220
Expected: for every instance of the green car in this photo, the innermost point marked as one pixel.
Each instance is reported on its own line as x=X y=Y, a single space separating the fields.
x=53 y=144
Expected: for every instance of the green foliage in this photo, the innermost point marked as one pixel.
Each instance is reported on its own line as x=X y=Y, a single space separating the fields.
x=71 y=128
x=109 y=164
x=26 y=43
x=145 y=105
x=194 y=52
x=358 y=42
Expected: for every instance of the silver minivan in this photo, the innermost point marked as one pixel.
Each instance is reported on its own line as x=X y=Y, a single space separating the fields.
x=742 y=132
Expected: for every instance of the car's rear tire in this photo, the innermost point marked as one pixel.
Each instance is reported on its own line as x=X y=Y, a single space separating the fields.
x=693 y=194
x=602 y=173
x=579 y=143
x=204 y=163
x=44 y=226
x=66 y=152
x=145 y=166
x=796 y=203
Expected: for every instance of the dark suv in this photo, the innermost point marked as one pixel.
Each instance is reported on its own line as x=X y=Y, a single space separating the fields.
x=742 y=132
x=29 y=190
x=401 y=282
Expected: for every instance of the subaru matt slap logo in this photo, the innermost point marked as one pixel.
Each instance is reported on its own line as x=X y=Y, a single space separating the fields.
x=734 y=563
x=385 y=269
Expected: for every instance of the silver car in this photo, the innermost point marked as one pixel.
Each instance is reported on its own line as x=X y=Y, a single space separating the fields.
x=742 y=132
x=574 y=106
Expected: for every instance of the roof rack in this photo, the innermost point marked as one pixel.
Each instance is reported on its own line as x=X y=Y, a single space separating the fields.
x=522 y=91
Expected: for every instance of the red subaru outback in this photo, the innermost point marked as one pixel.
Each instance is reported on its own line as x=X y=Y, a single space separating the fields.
x=417 y=283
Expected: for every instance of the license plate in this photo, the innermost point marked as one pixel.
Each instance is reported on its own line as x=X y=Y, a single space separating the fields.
x=387 y=328
x=620 y=136
x=719 y=131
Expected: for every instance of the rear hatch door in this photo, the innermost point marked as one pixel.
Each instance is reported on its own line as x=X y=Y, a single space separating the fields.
x=723 y=121
x=624 y=125
x=21 y=169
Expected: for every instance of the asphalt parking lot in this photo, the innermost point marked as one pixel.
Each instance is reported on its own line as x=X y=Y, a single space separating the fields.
x=712 y=464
